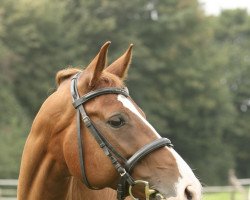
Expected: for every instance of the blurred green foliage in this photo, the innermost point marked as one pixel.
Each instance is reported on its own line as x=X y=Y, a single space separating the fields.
x=189 y=72
x=13 y=124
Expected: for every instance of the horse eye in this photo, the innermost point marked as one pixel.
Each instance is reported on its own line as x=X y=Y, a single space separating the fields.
x=116 y=121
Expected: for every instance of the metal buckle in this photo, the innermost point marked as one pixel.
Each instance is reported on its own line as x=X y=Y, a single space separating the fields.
x=86 y=121
x=148 y=191
x=123 y=172
x=159 y=196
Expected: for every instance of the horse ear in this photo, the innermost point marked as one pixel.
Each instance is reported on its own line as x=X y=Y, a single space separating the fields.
x=121 y=65
x=98 y=64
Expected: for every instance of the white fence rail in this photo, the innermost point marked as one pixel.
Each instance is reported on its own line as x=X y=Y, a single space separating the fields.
x=8 y=189
x=215 y=189
x=231 y=189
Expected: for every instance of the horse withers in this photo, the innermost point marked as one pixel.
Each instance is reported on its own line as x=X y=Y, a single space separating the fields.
x=101 y=147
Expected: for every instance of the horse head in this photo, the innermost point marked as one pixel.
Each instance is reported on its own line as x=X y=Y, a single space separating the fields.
x=103 y=140
x=123 y=124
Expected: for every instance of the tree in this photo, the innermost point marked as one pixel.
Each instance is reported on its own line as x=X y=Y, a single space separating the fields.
x=14 y=120
x=181 y=89
x=232 y=34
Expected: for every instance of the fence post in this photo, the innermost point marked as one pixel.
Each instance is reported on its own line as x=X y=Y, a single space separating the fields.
x=248 y=193
x=232 y=195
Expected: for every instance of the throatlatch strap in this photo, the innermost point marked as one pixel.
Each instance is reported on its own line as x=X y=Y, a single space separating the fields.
x=75 y=95
x=80 y=150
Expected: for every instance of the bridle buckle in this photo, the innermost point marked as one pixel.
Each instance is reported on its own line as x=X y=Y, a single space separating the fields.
x=148 y=191
x=123 y=172
x=86 y=121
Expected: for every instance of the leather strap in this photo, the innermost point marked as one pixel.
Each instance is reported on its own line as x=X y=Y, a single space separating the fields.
x=145 y=150
x=81 y=151
x=132 y=161
x=99 y=92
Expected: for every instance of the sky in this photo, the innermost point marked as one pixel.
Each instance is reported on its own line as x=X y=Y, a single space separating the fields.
x=213 y=7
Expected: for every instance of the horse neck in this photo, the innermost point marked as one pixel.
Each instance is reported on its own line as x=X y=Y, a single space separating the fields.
x=43 y=172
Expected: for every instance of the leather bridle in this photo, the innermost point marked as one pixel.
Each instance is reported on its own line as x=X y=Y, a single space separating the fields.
x=121 y=164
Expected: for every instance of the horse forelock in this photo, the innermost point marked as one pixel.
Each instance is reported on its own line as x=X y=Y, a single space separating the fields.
x=109 y=80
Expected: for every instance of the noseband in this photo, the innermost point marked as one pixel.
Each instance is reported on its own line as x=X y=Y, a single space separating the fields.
x=121 y=164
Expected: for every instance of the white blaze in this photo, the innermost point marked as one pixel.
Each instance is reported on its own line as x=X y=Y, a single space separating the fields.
x=187 y=176
x=129 y=105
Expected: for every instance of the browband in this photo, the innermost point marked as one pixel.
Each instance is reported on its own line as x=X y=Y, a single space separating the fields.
x=99 y=92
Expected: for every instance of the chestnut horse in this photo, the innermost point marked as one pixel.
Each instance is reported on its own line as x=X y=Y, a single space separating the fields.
x=101 y=144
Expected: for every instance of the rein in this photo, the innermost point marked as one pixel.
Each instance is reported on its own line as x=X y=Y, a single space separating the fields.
x=124 y=168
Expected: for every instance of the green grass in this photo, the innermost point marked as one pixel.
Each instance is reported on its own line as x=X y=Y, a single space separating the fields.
x=222 y=196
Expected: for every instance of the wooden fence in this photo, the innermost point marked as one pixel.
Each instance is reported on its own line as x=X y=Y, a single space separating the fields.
x=232 y=190
x=8 y=189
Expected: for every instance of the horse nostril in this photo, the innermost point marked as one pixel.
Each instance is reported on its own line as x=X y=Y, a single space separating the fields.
x=188 y=193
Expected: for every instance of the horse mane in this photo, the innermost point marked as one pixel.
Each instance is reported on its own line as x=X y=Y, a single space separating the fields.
x=64 y=74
